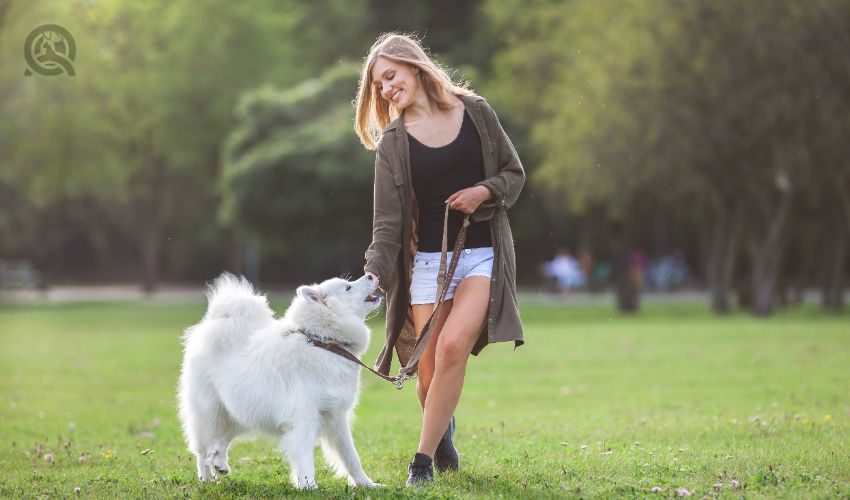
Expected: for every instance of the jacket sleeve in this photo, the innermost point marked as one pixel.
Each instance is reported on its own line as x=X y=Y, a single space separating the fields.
x=383 y=252
x=506 y=185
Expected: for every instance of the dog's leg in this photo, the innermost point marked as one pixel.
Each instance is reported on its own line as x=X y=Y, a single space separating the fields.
x=199 y=445
x=217 y=456
x=298 y=444
x=338 y=447
x=225 y=431
x=205 y=473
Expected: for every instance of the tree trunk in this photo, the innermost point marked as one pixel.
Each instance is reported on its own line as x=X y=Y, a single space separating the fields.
x=150 y=210
x=767 y=258
x=833 y=298
x=721 y=260
x=150 y=245
x=627 y=292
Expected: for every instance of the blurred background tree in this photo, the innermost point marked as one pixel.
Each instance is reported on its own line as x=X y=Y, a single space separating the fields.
x=710 y=130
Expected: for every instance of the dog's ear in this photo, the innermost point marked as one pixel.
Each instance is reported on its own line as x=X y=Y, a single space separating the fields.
x=311 y=294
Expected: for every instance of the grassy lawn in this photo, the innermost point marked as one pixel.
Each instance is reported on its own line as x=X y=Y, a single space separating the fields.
x=594 y=405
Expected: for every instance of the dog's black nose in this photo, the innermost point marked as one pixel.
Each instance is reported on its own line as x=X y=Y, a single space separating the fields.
x=369 y=277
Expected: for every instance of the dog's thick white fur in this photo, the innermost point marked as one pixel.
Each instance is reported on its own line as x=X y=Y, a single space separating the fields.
x=244 y=370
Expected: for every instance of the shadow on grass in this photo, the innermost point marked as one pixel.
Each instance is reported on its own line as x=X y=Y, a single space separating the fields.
x=449 y=485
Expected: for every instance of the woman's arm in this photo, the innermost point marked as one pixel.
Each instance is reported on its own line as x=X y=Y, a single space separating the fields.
x=506 y=185
x=386 y=222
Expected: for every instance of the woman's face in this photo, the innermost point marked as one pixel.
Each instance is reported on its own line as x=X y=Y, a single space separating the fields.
x=396 y=82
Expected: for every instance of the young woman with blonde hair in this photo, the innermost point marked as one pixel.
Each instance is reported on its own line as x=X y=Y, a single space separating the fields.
x=437 y=143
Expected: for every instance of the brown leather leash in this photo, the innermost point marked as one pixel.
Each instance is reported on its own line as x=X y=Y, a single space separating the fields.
x=341 y=351
x=443 y=278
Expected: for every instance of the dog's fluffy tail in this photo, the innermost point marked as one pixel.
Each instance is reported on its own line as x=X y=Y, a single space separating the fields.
x=235 y=310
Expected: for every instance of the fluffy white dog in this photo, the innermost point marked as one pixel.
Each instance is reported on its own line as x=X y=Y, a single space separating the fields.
x=243 y=370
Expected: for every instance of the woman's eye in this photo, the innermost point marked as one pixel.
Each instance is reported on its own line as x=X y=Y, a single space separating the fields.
x=347 y=287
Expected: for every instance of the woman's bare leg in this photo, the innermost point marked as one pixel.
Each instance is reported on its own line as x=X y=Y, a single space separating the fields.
x=421 y=313
x=454 y=344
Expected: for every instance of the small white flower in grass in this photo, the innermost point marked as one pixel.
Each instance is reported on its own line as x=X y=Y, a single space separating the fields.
x=717 y=486
x=83 y=458
x=683 y=492
x=583 y=447
x=734 y=483
x=49 y=457
x=657 y=489
x=77 y=490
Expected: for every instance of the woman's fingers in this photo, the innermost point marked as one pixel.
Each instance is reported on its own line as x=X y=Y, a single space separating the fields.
x=465 y=200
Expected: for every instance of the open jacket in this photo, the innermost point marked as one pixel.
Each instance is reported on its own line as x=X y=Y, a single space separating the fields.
x=390 y=256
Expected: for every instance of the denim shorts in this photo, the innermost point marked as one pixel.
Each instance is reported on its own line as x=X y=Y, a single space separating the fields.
x=426 y=265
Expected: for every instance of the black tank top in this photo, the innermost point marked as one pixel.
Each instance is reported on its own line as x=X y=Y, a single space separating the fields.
x=437 y=174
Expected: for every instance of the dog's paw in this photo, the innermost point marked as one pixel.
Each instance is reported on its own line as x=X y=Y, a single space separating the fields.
x=306 y=484
x=364 y=482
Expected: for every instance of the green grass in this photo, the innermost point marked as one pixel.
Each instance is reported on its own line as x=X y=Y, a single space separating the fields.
x=594 y=405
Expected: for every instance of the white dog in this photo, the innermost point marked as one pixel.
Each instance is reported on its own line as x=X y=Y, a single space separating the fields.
x=243 y=370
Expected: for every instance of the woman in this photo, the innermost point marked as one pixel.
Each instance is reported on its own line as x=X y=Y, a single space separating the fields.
x=437 y=143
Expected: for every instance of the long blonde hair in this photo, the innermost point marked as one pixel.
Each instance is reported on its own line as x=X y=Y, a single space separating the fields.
x=373 y=111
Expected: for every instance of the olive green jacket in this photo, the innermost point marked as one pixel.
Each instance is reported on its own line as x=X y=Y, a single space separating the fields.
x=393 y=247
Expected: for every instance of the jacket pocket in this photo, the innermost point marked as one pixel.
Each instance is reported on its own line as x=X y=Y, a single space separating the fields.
x=398 y=178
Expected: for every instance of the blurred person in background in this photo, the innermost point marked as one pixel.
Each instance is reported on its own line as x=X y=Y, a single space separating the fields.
x=565 y=271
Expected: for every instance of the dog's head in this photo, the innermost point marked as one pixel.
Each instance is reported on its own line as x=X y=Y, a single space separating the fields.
x=336 y=309
x=343 y=297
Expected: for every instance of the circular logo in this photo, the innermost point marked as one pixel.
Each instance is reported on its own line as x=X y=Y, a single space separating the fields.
x=50 y=50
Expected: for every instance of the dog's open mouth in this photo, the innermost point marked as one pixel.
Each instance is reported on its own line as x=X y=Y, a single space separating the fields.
x=372 y=298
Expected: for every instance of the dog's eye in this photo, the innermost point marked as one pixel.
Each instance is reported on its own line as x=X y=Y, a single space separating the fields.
x=347 y=287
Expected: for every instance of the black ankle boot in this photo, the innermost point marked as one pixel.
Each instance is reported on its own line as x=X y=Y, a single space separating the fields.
x=446 y=456
x=419 y=471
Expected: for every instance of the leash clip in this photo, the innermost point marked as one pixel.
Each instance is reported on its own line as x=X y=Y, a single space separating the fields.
x=399 y=381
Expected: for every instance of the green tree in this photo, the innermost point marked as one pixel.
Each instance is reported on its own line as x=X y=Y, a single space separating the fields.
x=137 y=132
x=297 y=179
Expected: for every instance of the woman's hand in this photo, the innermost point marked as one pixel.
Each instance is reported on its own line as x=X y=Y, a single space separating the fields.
x=467 y=200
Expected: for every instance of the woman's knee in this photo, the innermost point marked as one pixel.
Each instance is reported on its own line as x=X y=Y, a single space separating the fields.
x=452 y=352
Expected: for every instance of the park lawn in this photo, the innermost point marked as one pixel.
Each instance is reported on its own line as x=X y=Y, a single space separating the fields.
x=594 y=405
